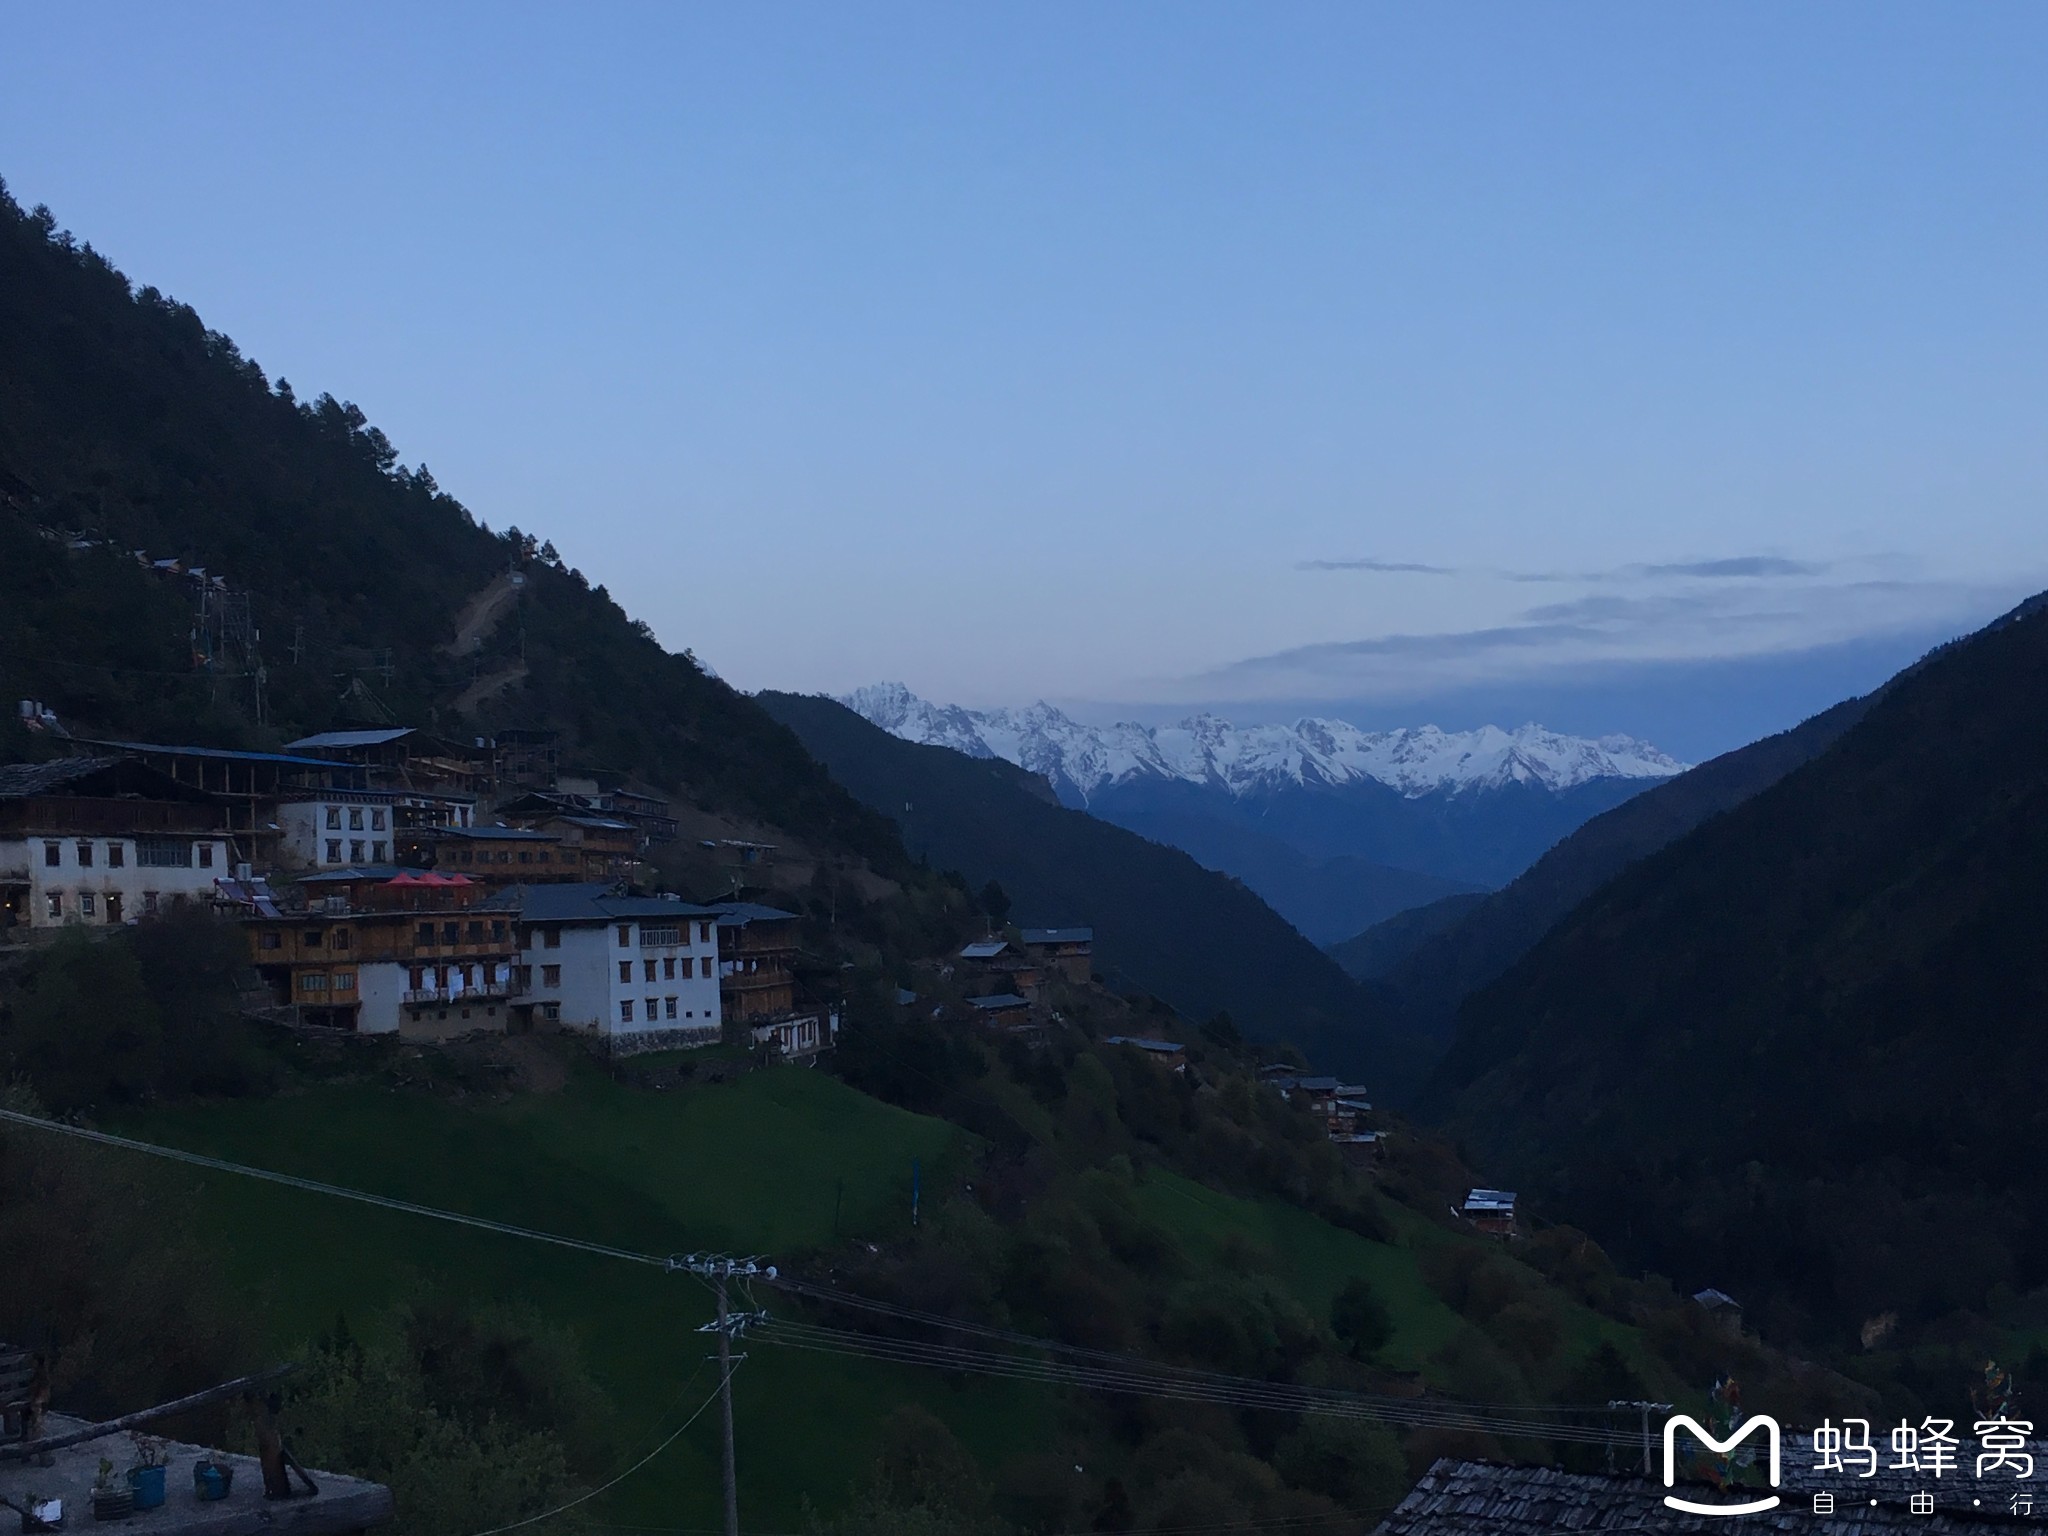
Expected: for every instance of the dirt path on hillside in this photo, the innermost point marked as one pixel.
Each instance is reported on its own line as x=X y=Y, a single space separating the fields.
x=480 y=615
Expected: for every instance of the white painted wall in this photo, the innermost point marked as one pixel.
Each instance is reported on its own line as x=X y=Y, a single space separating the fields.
x=322 y=833
x=79 y=885
x=589 y=993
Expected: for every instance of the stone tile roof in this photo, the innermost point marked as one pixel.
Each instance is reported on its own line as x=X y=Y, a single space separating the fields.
x=1476 y=1498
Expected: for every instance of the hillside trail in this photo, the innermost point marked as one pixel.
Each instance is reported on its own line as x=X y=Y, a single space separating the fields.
x=488 y=684
x=480 y=615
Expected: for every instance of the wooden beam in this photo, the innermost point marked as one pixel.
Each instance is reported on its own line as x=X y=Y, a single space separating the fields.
x=143 y=1416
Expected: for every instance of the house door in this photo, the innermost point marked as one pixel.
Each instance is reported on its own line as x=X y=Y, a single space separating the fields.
x=113 y=906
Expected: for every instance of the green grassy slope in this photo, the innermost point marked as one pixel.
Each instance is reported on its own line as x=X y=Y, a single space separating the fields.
x=756 y=1165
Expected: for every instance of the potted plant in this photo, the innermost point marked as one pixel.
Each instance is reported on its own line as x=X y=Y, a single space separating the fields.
x=212 y=1479
x=146 y=1477
x=109 y=1501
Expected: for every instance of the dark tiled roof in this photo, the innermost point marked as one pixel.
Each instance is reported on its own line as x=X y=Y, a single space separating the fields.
x=20 y=780
x=737 y=914
x=1476 y=1498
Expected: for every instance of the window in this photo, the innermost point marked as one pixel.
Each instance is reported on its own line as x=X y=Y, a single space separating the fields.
x=707 y=965
x=497 y=930
x=149 y=902
x=476 y=932
x=552 y=1012
x=551 y=975
x=669 y=1006
x=344 y=981
x=334 y=850
x=340 y=939
x=654 y=938
x=355 y=818
x=424 y=934
x=355 y=850
x=53 y=855
x=380 y=853
x=311 y=938
x=703 y=933
x=377 y=821
x=525 y=857
x=451 y=933
x=87 y=906
x=55 y=904
x=113 y=906
x=653 y=1009
x=651 y=968
x=419 y=978
x=205 y=851
x=668 y=969
x=626 y=1010
x=625 y=970
x=269 y=938
x=117 y=855
x=84 y=854
x=334 y=818
x=313 y=981
x=551 y=938
x=625 y=935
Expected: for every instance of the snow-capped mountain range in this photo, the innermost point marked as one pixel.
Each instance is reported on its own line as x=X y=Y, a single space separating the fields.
x=1082 y=760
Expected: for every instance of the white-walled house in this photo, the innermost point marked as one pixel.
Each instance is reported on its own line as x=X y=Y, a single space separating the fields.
x=99 y=840
x=642 y=972
x=337 y=828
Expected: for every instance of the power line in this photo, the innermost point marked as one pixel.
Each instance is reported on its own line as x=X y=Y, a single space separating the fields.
x=336 y=1191
x=724 y=1382
x=1094 y=1369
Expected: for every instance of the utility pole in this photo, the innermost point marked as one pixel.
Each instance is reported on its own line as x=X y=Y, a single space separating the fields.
x=1645 y=1409
x=719 y=1270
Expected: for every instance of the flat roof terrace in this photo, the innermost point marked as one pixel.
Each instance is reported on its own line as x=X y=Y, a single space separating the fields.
x=342 y=1504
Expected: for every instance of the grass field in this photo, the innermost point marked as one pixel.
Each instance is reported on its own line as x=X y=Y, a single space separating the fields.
x=771 y=1164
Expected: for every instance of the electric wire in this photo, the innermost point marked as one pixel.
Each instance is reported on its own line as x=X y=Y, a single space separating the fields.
x=1108 y=1372
x=584 y=1498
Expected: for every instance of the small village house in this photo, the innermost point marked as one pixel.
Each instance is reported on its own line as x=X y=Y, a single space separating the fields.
x=1723 y=1310
x=758 y=983
x=638 y=972
x=418 y=954
x=493 y=854
x=1492 y=1211
x=1001 y=1010
x=403 y=757
x=1167 y=1053
x=100 y=840
x=1068 y=951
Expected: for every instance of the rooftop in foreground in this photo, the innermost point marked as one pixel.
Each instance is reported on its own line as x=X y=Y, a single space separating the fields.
x=342 y=1504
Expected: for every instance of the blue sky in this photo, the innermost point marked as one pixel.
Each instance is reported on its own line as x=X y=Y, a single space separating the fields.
x=1630 y=363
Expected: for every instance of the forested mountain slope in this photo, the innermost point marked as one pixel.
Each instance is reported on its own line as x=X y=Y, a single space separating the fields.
x=1797 y=1053
x=1432 y=959
x=1163 y=924
x=126 y=423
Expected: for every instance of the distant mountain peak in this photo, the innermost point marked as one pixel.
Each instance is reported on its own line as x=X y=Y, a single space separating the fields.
x=1205 y=749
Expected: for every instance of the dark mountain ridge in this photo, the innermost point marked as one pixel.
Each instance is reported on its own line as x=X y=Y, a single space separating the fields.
x=1795 y=1053
x=1164 y=925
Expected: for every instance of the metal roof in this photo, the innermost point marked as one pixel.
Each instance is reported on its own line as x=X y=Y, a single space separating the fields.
x=589 y=902
x=1715 y=1301
x=983 y=949
x=998 y=1002
x=350 y=738
x=1164 y=1047
x=216 y=752
x=1059 y=935
x=1490 y=1200
x=492 y=834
